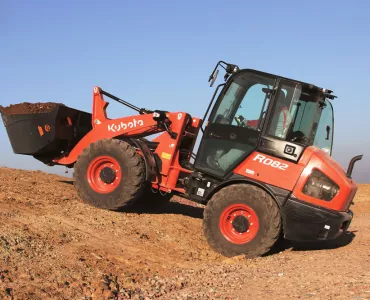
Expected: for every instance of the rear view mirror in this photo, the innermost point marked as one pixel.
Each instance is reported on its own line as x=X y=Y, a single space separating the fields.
x=213 y=78
x=229 y=68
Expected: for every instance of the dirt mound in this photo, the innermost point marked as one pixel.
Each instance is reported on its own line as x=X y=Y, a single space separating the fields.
x=53 y=246
x=28 y=108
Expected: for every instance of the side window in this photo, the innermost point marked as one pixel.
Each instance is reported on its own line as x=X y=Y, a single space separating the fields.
x=285 y=109
x=324 y=129
x=305 y=114
x=223 y=113
x=252 y=109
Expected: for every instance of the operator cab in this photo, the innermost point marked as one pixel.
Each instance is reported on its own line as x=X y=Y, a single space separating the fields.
x=264 y=112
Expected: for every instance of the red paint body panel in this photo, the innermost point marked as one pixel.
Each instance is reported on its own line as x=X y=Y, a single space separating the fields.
x=110 y=129
x=255 y=169
x=294 y=177
x=324 y=163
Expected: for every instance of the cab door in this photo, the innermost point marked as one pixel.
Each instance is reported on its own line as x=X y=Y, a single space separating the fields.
x=235 y=123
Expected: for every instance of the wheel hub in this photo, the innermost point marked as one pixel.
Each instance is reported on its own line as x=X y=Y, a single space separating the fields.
x=107 y=175
x=240 y=224
x=104 y=174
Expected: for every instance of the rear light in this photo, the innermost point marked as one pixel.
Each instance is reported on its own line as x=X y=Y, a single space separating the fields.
x=320 y=186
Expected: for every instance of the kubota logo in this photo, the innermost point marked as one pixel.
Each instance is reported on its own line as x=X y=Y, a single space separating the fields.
x=124 y=126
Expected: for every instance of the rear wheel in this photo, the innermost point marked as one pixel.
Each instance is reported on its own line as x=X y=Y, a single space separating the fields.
x=242 y=219
x=109 y=174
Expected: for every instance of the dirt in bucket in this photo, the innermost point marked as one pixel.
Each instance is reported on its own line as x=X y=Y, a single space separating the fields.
x=28 y=108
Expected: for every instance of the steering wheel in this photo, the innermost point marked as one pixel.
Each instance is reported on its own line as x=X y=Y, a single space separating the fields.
x=240 y=121
x=298 y=136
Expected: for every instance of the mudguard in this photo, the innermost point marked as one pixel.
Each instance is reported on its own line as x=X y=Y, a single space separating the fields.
x=150 y=163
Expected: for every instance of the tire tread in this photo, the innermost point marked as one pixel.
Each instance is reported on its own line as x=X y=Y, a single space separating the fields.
x=255 y=194
x=131 y=188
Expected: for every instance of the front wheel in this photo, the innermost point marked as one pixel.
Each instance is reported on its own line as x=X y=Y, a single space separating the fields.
x=109 y=174
x=242 y=219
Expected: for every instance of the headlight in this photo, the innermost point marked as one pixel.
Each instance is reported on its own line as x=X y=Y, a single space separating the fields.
x=320 y=186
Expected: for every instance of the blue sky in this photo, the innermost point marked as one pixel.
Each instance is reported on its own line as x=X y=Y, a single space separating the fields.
x=158 y=54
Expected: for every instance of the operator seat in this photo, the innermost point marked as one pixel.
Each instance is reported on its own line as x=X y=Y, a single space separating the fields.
x=282 y=118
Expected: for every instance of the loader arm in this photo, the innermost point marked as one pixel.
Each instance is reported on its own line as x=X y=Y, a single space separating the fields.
x=140 y=125
x=99 y=113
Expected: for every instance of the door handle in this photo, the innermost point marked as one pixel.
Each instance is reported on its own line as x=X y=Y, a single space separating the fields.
x=214 y=135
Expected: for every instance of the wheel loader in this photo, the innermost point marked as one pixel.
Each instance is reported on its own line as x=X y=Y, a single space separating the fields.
x=263 y=168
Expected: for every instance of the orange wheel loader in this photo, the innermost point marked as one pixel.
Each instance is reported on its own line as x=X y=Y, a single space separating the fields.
x=263 y=168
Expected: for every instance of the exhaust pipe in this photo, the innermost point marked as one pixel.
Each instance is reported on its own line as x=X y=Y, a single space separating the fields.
x=352 y=163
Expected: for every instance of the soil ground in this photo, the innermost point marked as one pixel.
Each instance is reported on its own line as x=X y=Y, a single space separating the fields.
x=53 y=246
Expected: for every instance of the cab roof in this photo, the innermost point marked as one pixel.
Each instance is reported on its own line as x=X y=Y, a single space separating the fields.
x=327 y=92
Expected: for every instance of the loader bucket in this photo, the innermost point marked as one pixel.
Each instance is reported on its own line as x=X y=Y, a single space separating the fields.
x=46 y=135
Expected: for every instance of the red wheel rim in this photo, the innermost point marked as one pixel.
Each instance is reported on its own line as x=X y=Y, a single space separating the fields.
x=104 y=174
x=239 y=223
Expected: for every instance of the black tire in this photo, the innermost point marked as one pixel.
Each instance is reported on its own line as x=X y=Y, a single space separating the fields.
x=264 y=208
x=129 y=186
x=151 y=200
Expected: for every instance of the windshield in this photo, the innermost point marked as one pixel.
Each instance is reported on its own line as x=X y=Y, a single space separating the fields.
x=296 y=116
x=245 y=101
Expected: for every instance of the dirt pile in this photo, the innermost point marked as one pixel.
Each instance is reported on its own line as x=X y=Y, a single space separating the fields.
x=52 y=246
x=28 y=108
